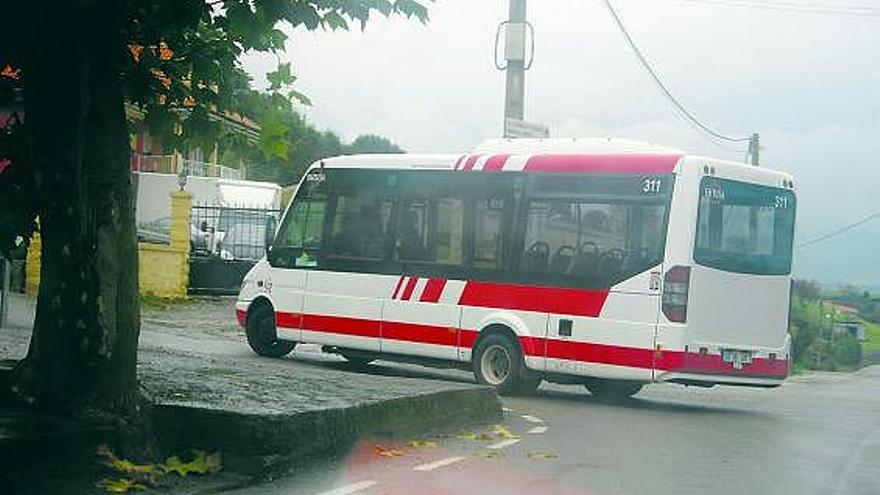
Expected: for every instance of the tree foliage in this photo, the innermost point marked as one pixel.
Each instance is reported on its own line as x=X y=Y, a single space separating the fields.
x=179 y=64
x=73 y=66
x=289 y=143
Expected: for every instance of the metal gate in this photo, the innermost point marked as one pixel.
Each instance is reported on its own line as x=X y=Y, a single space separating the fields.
x=225 y=242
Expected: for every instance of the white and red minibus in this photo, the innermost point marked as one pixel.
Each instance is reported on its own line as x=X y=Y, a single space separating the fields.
x=600 y=262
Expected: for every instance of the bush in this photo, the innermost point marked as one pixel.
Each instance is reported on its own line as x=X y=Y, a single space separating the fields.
x=847 y=350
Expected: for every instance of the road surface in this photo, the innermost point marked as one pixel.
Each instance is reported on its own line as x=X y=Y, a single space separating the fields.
x=817 y=434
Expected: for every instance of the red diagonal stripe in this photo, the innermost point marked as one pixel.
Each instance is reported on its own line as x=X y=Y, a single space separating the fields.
x=469 y=164
x=433 y=290
x=397 y=287
x=495 y=163
x=410 y=287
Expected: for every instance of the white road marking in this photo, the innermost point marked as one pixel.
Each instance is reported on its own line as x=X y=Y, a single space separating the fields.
x=538 y=429
x=437 y=464
x=532 y=419
x=506 y=409
x=504 y=443
x=352 y=488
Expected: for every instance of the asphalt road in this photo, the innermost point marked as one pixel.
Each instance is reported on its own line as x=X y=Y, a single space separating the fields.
x=817 y=434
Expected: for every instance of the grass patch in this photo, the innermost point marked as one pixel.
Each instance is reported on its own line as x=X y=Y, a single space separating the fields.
x=158 y=302
x=872 y=331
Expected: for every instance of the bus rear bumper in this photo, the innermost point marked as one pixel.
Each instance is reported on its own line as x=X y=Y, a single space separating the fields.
x=710 y=380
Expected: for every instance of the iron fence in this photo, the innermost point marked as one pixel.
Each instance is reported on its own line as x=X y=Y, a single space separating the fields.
x=225 y=242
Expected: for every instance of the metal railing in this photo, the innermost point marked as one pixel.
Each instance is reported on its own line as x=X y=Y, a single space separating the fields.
x=170 y=164
x=201 y=169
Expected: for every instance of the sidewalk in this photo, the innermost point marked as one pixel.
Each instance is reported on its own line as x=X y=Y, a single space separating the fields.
x=266 y=415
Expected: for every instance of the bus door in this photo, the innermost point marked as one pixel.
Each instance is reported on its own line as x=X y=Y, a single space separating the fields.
x=601 y=237
x=422 y=318
x=346 y=291
x=293 y=254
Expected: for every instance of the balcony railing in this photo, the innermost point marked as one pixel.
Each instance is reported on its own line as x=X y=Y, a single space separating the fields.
x=171 y=164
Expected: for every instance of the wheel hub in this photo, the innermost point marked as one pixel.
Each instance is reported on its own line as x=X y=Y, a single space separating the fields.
x=495 y=364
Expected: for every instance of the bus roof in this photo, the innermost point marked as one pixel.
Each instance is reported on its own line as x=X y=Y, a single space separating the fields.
x=610 y=155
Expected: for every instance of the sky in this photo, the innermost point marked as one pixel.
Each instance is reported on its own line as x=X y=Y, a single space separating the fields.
x=808 y=83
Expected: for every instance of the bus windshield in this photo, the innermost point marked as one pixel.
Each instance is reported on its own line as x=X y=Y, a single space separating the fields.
x=744 y=228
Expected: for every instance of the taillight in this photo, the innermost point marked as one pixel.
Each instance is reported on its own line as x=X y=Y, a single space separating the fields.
x=675 y=293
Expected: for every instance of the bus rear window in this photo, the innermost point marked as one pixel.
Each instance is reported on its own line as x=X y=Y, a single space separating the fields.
x=744 y=228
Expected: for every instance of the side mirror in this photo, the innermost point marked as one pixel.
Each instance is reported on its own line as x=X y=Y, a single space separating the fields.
x=271 y=225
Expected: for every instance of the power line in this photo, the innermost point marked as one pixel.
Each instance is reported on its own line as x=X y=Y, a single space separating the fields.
x=839 y=231
x=684 y=111
x=796 y=7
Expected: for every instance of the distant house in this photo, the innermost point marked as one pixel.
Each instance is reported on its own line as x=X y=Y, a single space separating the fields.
x=149 y=154
x=840 y=308
x=854 y=328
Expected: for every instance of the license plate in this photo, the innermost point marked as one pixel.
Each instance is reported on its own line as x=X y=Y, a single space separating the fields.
x=736 y=357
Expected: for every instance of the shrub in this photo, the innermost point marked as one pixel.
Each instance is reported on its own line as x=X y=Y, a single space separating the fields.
x=847 y=350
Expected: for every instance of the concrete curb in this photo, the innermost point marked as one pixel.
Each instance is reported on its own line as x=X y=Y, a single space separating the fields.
x=266 y=444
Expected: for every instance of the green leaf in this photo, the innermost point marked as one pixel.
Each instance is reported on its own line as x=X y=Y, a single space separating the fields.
x=335 y=21
x=296 y=95
x=280 y=77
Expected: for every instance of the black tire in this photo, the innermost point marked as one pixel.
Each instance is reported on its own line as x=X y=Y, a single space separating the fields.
x=498 y=362
x=262 y=335
x=604 y=388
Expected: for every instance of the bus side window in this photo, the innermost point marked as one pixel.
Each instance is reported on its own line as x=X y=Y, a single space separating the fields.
x=489 y=224
x=430 y=225
x=360 y=216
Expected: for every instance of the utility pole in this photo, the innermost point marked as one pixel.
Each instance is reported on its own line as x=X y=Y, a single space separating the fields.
x=754 y=149
x=515 y=53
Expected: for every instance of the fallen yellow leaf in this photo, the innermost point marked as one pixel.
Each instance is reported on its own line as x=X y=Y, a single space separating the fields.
x=423 y=444
x=119 y=486
x=202 y=463
x=504 y=433
x=387 y=451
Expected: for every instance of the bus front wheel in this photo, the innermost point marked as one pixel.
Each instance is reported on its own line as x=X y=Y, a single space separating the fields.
x=498 y=362
x=612 y=389
x=262 y=335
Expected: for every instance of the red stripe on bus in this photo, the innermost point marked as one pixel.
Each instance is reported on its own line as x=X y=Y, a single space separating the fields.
x=410 y=287
x=420 y=334
x=397 y=287
x=495 y=163
x=433 y=290
x=689 y=362
x=241 y=316
x=288 y=320
x=344 y=325
x=633 y=357
x=623 y=164
x=471 y=161
x=458 y=162
x=587 y=352
x=557 y=300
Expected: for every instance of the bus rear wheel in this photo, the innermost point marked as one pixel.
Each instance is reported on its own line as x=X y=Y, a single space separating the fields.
x=498 y=362
x=604 y=388
x=262 y=335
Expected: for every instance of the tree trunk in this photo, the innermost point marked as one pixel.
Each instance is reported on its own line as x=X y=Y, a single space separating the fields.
x=83 y=352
